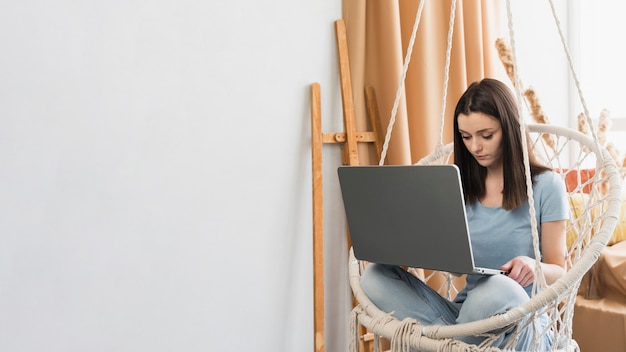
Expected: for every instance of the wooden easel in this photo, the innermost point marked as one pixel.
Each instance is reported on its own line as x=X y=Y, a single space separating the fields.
x=348 y=141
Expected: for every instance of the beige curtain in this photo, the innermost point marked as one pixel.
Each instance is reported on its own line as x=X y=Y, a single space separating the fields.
x=378 y=35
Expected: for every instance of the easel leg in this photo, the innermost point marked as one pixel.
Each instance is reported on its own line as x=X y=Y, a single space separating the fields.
x=348 y=140
x=318 y=218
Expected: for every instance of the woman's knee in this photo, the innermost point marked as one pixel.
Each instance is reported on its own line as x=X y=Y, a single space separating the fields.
x=375 y=277
x=384 y=288
x=509 y=294
x=493 y=295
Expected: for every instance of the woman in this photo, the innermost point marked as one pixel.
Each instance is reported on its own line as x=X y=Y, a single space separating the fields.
x=488 y=150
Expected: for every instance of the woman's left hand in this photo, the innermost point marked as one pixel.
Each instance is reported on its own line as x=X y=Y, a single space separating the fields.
x=521 y=269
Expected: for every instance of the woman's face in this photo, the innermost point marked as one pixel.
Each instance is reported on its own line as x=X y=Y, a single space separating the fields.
x=482 y=136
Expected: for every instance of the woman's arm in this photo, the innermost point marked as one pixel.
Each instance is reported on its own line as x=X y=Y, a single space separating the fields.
x=553 y=249
x=554 y=252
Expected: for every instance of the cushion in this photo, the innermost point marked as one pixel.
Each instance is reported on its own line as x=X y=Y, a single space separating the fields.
x=619 y=234
x=580 y=177
x=577 y=206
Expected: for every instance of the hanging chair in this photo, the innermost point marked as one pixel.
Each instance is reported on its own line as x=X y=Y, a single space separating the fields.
x=594 y=193
x=594 y=216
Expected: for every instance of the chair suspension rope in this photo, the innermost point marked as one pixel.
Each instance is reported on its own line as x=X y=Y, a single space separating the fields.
x=400 y=89
x=539 y=281
x=570 y=62
x=446 y=76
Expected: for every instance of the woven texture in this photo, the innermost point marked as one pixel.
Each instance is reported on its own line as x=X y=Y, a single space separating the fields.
x=595 y=202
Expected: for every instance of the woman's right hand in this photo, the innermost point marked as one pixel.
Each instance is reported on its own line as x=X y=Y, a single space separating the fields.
x=521 y=269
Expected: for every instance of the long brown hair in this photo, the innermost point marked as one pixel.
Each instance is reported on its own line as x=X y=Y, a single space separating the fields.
x=495 y=99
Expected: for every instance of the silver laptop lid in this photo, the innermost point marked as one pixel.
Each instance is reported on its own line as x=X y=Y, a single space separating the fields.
x=411 y=215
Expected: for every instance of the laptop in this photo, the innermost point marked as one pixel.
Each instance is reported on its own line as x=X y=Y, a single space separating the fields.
x=409 y=215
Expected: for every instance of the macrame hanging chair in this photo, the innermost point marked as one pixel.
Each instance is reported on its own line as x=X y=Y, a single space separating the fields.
x=595 y=206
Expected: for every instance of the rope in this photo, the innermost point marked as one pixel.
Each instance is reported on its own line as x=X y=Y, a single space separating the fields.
x=405 y=68
x=570 y=62
x=540 y=281
x=400 y=340
x=446 y=75
x=529 y=183
x=557 y=300
x=396 y=104
x=354 y=330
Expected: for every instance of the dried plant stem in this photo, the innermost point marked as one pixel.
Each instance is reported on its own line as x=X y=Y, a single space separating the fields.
x=536 y=111
x=604 y=124
x=583 y=127
x=538 y=115
x=504 y=52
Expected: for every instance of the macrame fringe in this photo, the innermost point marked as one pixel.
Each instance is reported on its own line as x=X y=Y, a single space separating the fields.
x=593 y=223
x=354 y=329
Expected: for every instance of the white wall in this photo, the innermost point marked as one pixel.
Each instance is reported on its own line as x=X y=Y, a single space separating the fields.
x=155 y=175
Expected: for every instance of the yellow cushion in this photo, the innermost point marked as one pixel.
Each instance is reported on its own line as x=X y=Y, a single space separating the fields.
x=577 y=206
x=620 y=229
x=577 y=203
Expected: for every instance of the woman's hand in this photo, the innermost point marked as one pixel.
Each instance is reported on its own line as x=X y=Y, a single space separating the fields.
x=521 y=269
x=554 y=251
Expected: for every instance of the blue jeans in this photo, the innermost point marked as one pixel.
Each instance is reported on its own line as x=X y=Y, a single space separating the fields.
x=393 y=289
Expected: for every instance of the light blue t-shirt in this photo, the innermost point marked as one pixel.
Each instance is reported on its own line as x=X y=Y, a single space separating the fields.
x=499 y=235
